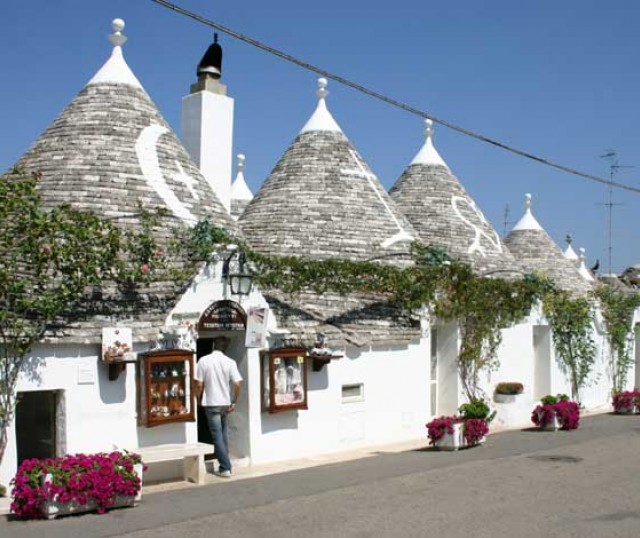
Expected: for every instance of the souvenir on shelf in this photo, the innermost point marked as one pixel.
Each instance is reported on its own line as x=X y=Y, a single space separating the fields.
x=284 y=379
x=165 y=384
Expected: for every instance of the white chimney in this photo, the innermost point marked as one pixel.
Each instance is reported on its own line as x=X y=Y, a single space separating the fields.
x=207 y=124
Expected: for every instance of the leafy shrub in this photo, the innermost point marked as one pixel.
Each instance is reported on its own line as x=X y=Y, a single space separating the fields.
x=3 y=491
x=509 y=387
x=476 y=409
x=549 y=399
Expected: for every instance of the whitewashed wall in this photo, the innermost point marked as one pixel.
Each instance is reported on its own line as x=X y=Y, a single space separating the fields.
x=395 y=406
x=97 y=414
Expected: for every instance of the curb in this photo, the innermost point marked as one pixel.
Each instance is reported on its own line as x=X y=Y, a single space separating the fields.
x=5 y=504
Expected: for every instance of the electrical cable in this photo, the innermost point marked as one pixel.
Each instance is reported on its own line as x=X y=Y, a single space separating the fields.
x=390 y=100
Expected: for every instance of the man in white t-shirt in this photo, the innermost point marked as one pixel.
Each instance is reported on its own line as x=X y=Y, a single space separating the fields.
x=215 y=375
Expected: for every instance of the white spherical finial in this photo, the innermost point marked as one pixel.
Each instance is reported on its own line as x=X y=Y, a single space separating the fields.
x=428 y=128
x=527 y=200
x=117 y=38
x=322 y=88
x=241 y=159
x=583 y=253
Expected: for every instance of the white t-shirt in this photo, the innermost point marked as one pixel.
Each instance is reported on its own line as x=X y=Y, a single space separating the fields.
x=217 y=371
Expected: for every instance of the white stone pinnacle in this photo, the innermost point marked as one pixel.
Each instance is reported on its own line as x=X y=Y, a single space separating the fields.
x=528 y=221
x=117 y=38
x=428 y=154
x=115 y=70
x=321 y=119
x=239 y=188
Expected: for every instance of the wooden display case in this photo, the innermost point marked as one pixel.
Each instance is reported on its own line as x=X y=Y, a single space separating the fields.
x=284 y=379
x=165 y=387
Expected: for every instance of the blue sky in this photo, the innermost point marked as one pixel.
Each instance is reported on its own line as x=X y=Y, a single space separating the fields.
x=558 y=79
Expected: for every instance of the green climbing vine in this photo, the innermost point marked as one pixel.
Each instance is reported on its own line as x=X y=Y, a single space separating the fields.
x=617 y=311
x=571 y=320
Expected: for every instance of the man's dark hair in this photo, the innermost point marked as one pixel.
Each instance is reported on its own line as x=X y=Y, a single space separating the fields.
x=220 y=343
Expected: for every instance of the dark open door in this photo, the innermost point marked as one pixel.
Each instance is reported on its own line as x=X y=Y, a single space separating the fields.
x=204 y=435
x=36 y=425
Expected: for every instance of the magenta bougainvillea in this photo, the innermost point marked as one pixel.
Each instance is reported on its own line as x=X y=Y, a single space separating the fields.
x=474 y=430
x=439 y=426
x=568 y=414
x=79 y=478
x=627 y=400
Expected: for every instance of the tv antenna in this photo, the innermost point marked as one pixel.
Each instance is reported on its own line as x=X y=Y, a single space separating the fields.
x=614 y=167
x=506 y=221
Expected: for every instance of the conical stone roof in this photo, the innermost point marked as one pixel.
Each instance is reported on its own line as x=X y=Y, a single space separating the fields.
x=537 y=252
x=444 y=214
x=322 y=201
x=110 y=151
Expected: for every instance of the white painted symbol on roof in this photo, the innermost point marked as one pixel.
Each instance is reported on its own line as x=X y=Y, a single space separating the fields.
x=147 y=152
x=402 y=235
x=479 y=231
x=185 y=178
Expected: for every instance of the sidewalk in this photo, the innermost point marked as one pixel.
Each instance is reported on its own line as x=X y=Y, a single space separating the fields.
x=266 y=469
x=255 y=471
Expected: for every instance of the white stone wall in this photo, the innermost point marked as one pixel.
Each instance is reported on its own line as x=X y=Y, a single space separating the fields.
x=394 y=408
x=99 y=414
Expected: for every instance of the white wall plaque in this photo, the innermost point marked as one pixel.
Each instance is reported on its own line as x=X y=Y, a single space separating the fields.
x=86 y=375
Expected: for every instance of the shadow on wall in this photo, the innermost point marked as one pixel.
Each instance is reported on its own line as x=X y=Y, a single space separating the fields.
x=286 y=420
x=112 y=392
x=318 y=380
x=167 y=433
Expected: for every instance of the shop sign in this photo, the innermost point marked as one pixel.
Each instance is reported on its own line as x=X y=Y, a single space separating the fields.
x=223 y=316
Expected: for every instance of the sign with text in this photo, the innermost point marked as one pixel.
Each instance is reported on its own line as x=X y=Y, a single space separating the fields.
x=223 y=316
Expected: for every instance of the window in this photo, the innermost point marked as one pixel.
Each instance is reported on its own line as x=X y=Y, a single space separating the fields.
x=353 y=393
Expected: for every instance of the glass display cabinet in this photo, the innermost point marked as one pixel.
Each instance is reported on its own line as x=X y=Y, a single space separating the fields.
x=165 y=387
x=284 y=379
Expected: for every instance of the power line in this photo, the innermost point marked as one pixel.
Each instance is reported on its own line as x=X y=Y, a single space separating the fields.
x=389 y=100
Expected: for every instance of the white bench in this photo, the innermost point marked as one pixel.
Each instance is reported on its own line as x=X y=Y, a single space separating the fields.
x=192 y=456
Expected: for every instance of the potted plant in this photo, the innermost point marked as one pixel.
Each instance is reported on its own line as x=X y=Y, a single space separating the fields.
x=556 y=412
x=467 y=429
x=626 y=402
x=76 y=483
x=507 y=391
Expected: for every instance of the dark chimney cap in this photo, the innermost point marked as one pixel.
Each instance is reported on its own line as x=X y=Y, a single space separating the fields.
x=211 y=63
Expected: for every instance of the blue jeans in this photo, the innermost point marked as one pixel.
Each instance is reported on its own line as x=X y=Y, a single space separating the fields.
x=217 y=421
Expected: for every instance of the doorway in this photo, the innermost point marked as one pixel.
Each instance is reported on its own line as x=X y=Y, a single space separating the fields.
x=36 y=425
x=203 y=347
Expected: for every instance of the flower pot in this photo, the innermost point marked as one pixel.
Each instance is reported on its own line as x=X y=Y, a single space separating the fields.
x=627 y=410
x=456 y=440
x=553 y=425
x=53 y=509
x=451 y=441
x=505 y=398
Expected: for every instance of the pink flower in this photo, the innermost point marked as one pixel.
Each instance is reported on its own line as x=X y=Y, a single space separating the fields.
x=145 y=268
x=45 y=249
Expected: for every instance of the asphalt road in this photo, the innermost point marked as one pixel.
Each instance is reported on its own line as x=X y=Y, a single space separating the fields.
x=520 y=484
